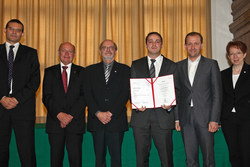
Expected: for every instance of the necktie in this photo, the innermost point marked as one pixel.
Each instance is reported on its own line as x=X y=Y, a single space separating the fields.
x=11 y=60
x=152 y=68
x=107 y=73
x=64 y=78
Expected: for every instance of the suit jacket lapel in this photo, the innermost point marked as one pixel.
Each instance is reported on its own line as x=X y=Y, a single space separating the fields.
x=199 y=70
x=73 y=73
x=242 y=75
x=229 y=79
x=19 y=54
x=58 y=76
x=101 y=72
x=113 y=73
x=3 y=54
x=185 y=71
x=145 y=66
x=164 y=64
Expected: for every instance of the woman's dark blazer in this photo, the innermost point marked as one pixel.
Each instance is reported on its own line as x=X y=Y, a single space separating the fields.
x=238 y=97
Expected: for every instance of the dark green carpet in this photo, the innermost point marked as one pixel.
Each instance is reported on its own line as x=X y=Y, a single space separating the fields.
x=128 y=151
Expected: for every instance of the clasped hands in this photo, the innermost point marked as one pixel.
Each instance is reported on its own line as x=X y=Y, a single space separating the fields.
x=64 y=119
x=104 y=117
x=9 y=102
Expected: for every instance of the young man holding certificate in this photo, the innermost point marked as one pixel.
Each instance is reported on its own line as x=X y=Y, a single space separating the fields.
x=153 y=123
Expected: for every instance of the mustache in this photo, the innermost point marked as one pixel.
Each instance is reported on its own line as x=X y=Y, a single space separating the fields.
x=107 y=58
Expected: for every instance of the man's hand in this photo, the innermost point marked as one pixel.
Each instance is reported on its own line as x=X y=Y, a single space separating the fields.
x=177 y=126
x=64 y=119
x=213 y=126
x=104 y=117
x=62 y=125
x=9 y=102
x=143 y=108
x=166 y=107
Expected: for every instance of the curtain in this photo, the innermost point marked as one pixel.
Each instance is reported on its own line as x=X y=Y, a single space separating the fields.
x=86 y=23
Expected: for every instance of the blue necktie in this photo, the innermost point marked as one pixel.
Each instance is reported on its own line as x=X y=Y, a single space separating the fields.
x=11 y=60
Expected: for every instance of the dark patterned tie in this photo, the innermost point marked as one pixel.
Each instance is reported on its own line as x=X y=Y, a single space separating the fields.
x=152 y=68
x=107 y=73
x=64 y=78
x=11 y=59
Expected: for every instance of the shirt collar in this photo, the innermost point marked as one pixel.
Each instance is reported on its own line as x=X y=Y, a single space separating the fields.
x=158 y=58
x=7 y=44
x=196 y=61
x=110 y=64
x=69 y=65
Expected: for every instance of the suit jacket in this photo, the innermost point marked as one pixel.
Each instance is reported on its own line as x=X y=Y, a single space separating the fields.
x=206 y=92
x=238 y=97
x=140 y=69
x=112 y=97
x=56 y=100
x=26 y=80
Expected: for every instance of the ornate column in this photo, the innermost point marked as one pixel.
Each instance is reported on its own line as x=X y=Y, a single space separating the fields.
x=241 y=23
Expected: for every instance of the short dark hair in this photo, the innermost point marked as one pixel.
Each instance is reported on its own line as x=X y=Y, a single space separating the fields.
x=193 y=34
x=237 y=44
x=100 y=46
x=155 y=33
x=15 y=21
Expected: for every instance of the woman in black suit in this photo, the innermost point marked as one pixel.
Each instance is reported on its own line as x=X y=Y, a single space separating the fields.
x=235 y=118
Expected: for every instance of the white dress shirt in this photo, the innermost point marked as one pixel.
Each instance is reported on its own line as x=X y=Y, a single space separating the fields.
x=192 y=67
x=234 y=78
x=15 y=49
x=157 y=64
x=67 y=70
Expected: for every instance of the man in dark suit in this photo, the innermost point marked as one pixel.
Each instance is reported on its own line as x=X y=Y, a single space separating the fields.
x=198 y=103
x=107 y=92
x=154 y=123
x=20 y=79
x=64 y=99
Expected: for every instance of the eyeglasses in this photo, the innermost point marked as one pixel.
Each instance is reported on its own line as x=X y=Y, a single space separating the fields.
x=69 y=51
x=236 y=53
x=111 y=48
x=15 y=29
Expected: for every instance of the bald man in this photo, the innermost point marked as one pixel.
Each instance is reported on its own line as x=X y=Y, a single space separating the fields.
x=63 y=97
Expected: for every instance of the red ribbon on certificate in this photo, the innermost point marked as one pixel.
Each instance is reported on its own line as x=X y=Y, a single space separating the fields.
x=152 y=86
x=152 y=81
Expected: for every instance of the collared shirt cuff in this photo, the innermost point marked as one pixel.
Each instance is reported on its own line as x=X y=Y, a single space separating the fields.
x=97 y=112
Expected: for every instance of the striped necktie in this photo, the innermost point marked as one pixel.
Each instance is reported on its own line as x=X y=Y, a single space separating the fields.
x=152 y=68
x=107 y=73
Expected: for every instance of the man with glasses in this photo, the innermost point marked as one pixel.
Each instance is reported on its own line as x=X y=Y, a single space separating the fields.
x=20 y=79
x=107 y=92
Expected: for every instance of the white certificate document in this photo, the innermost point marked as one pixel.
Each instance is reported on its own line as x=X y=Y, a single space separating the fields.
x=152 y=92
